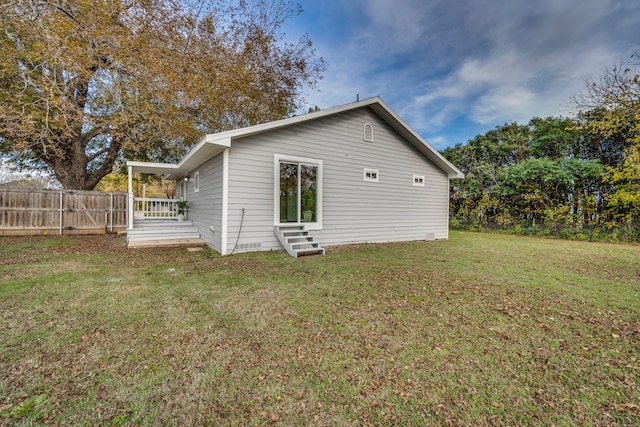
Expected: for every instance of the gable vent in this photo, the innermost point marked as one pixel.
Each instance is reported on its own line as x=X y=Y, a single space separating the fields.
x=368 y=132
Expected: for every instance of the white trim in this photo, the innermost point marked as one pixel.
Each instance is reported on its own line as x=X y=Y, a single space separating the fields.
x=225 y=201
x=370 y=175
x=418 y=180
x=129 y=196
x=448 y=212
x=375 y=103
x=212 y=144
x=277 y=158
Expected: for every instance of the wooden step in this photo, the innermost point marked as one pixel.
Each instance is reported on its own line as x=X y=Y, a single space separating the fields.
x=304 y=245
x=297 y=241
x=311 y=251
x=166 y=243
x=161 y=225
x=295 y=233
x=164 y=231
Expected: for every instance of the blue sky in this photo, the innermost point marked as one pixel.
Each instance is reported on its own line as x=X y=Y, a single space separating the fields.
x=457 y=68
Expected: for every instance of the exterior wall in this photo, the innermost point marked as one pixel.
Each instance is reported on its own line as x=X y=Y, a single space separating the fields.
x=354 y=211
x=205 y=206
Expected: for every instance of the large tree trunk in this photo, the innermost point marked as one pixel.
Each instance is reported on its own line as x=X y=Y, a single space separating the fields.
x=71 y=167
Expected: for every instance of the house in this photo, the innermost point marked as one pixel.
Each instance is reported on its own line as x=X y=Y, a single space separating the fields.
x=350 y=174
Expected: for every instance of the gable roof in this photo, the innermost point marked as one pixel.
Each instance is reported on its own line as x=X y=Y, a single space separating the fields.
x=212 y=144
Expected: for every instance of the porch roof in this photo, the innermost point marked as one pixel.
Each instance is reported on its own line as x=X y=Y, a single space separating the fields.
x=153 y=168
x=203 y=151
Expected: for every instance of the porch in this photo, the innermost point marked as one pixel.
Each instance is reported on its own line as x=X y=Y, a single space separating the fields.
x=155 y=223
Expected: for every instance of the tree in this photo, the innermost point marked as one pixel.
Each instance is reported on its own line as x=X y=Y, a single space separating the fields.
x=477 y=198
x=516 y=174
x=612 y=104
x=554 y=137
x=84 y=83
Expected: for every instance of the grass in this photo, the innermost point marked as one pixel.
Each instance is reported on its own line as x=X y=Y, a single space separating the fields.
x=482 y=329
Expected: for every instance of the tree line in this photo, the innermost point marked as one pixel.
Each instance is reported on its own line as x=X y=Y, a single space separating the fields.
x=574 y=177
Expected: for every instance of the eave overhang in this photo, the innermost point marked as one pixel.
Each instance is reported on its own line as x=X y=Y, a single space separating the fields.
x=213 y=144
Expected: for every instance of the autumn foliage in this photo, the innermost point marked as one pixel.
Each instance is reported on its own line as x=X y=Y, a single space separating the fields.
x=83 y=82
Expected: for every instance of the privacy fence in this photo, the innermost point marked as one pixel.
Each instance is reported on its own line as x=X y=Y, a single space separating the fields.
x=32 y=212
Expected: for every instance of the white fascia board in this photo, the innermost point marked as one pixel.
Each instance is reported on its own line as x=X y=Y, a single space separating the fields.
x=203 y=151
x=252 y=130
x=152 y=168
x=377 y=105
x=213 y=144
x=412 y=136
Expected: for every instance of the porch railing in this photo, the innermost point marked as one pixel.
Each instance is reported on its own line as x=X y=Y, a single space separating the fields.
x=149 y=208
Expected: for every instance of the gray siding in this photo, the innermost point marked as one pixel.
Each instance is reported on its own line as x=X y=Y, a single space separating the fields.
x=205 y=206
x=354 y=211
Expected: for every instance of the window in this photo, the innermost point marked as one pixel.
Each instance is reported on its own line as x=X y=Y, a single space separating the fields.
x=370 y=175
x=298 y=190
x=196 y=182
x=418 y=180
x=368 y=132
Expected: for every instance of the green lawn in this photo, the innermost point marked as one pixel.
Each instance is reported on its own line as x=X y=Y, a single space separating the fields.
x=482 y=329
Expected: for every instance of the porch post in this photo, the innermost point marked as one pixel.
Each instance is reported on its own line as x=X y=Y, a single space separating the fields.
x=130 y=196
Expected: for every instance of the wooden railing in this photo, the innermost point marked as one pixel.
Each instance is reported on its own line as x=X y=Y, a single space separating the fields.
x=149 y=208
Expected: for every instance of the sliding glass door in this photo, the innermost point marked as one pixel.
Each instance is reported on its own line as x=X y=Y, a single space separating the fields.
x=298 y=192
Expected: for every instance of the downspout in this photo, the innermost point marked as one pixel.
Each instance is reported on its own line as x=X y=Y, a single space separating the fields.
x=225 y=201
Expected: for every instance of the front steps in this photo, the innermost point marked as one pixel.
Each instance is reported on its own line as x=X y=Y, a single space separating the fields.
x=162 y=233
x=297 y=241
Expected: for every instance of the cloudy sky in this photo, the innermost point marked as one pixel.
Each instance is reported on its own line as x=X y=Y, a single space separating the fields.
x=457 y=68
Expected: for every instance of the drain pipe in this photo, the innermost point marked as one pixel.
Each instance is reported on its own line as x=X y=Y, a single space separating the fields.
x=239 y=231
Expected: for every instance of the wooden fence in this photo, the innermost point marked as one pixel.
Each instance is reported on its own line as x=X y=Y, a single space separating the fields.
x=31 y=212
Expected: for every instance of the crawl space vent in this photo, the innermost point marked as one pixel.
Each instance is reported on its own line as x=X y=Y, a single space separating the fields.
x=244 y=246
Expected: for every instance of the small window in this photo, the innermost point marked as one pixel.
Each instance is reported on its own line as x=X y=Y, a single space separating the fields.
x=196 y=182
x=418 y=180
x=368 y=132
x=371 y=175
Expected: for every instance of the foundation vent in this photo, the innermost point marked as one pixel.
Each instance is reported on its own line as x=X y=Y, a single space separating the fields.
x=248 y=246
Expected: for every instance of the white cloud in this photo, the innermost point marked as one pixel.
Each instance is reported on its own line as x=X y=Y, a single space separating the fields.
x=489 y=62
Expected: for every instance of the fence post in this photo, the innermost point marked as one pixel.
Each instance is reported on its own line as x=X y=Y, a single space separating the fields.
x=110 y=212
x=61 y=200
